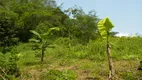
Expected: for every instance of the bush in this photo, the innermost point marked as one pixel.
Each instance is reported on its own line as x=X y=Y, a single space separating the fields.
x=8 y=66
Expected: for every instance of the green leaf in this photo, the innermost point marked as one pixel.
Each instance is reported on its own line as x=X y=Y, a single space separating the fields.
x=52 y=46
x=35 y=33
x=104 y=26
x=108 y=24
x=54 y=28
x=102 y=31
x=46 y=35
x=34 y=40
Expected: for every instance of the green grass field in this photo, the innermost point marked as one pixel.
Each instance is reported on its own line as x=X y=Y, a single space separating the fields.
x=73 y=61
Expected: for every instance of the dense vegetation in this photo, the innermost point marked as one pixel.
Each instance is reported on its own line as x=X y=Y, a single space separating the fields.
x=70 y=41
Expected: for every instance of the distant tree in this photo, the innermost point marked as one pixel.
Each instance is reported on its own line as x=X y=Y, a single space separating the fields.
x=82 y=26
x=113 y=34
x=34 y=14
x=7 y=29
x=31 y=14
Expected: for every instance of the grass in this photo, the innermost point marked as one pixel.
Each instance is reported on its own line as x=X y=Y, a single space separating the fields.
x=68 y=61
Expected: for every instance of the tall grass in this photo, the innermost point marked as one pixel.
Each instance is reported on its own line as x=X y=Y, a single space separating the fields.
x=127 y=48
x=90 y=56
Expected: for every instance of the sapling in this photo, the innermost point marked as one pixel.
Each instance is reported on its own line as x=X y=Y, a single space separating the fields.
x=104 y=27
x=42 y=39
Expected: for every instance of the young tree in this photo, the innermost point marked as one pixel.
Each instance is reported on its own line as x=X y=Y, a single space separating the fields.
x=104 y=27
x=42 y=39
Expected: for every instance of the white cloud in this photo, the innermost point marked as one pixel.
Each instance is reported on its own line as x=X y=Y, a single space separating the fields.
x=122 y=34
x=128 y=34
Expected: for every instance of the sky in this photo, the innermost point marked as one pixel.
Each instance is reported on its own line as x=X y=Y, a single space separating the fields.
x=126 y=15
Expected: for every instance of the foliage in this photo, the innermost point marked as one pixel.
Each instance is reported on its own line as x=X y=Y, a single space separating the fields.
x=8 y=66
x=77 y=42
x=7 y=34
x=129 y=76
x=104 y=27
x=82 y=26
x=72 y=52
x=40 y=15
x=126 y=48
x=59 y=75
x=28 y=15
x=43 y=39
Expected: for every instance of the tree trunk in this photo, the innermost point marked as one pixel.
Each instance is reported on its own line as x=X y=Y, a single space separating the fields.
x=111 y=71
x=42 y=54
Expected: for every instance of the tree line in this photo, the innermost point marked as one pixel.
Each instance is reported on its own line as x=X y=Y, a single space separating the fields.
x=18 y=17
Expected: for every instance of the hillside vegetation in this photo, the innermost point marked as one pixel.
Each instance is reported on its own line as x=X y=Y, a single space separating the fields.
x=40 y=41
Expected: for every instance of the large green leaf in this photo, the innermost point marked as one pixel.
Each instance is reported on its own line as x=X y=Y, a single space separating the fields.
x=108 y=24
x=46 y=35
x=54 y=28
x=35 y=33
x=104 y=26
x=34 y=40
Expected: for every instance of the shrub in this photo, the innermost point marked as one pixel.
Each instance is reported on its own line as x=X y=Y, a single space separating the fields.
x=8 y=66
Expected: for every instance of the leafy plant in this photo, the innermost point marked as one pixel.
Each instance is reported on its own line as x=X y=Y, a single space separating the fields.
x=43 y=39
x=8 y=66
x=104 y=27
